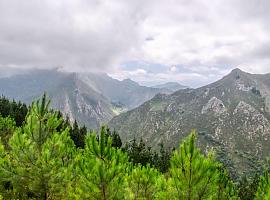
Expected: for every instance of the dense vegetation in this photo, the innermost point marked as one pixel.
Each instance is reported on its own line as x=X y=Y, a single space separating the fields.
x=43 y=156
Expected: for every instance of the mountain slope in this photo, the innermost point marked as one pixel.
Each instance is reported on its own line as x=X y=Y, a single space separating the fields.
x=231 y=116
x=69 y=94
x=79 y=101
x=92 y=99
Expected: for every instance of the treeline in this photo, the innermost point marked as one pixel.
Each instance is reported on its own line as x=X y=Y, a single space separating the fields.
x=45 y=157
x=17 y=111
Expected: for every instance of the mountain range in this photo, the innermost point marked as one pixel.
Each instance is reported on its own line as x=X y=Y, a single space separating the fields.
x=173 y=86
x=90 y=98
x=231 y=116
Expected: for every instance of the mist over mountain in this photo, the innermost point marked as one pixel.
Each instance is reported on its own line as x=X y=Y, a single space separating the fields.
x=91 y=98
x=231 y=116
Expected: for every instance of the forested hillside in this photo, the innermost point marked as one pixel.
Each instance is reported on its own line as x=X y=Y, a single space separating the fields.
x=42 y=159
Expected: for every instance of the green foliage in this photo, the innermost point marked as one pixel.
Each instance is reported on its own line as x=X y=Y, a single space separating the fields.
x=101 y=169
x=263 y=185
x=145 y=182
x=78 y=134
x=193 y=175
x=248 y=187
x=16 y=111
x=116 y=140
x=7 y=128
x=40 y=158
x=161 y=160
x=263 y=191
x=139 y=153
x=226 y=189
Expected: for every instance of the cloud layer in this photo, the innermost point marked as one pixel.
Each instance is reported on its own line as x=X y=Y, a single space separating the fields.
x=74 y=34
x=191 y=41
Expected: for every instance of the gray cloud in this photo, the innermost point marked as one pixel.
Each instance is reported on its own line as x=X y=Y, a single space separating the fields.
x=85 y=34
x=206 y=38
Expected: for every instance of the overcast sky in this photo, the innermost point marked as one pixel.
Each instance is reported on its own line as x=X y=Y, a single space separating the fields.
x=150 y=41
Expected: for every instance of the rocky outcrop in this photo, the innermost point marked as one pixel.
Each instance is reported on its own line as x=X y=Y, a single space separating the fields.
x=214 y=105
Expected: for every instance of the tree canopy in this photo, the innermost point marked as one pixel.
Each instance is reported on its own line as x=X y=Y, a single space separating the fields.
x=45 y=157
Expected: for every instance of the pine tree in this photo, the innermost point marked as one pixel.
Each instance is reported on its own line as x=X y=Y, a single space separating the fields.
x=193 y=175
x=4 y=184
x=75 y=131
x=7 y=128
x=116 y=139
x=83 y=132
x=139 y=153
x=16 y=111
x=40 y=157
x=144 y=182
x=78 y=134
x=101 y=169
x=226 y=189
x=161 y=160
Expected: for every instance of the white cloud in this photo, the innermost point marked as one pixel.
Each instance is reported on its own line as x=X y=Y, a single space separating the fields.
x=202 y=36
x=173 y=69
x=189 y=78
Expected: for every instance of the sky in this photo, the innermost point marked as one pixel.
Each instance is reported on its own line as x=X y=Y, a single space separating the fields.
x=193 y=42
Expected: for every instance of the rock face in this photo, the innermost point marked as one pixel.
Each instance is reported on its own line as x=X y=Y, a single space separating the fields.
x=214 y=105
x=231 y=116
x=79 y=101
x=92 y=99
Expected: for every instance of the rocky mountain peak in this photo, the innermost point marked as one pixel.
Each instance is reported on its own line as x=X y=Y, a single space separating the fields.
x=237 y=70
x=237 y=74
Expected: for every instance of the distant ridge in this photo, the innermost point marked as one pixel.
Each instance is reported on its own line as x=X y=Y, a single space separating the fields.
x=172 y=86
